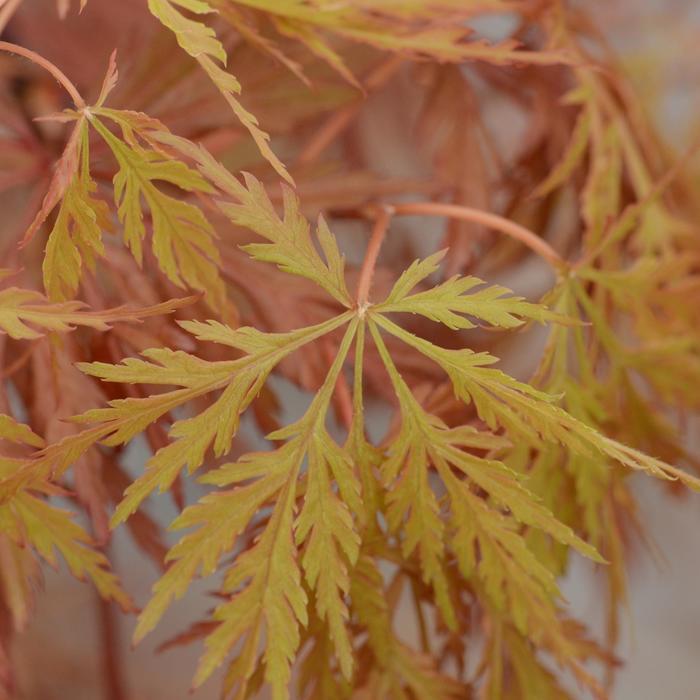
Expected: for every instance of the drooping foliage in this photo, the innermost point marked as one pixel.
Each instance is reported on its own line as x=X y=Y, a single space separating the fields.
x=162 y=281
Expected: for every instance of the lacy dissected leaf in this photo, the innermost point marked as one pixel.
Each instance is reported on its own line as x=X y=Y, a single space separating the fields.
x=533 y=625
x=450 y=303
x=515 y=580
x=183 y=240
x=290 y=246
x=326 y=526
x=467 y=502
x=29 y=520
x=396 y=671
x=238 y=380
x=201 y=551
x=502 y=401
x=30 y=525
x=425 y=441
x=53 y=460
x=271 y=599
x=289 y=243
x=397 y=27
x=27 y=315
x=200 y=42
x=412 y=505
x=182 y=237
x=76 y=237
x=309 y=23
x=264 y=581
x=593 y=367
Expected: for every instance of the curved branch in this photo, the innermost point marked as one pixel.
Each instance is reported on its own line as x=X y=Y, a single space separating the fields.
x=494 y=221
x=44 y=63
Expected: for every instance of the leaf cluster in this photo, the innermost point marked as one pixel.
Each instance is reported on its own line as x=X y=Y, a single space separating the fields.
x=483 y=486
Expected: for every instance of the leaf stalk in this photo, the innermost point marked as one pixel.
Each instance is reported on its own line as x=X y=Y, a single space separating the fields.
x=381 y=226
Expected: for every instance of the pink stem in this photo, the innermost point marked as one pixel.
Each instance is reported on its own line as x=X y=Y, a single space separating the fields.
x=381 y=225
x=46 y=65
x=494 y=221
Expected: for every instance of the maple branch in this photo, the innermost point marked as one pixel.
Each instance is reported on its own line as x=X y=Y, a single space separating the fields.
x=44 y=63
x=381 y=225
x=494 y=221
x=19 y=362
x=111 y=663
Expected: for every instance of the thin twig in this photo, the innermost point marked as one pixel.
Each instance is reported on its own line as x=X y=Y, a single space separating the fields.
x=381 y=225
x=46 y=65
x=19 y=362
x=113 y=681
x=494 y=221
